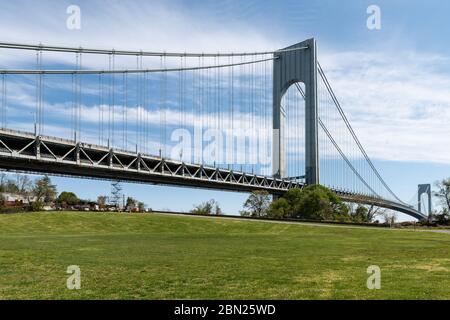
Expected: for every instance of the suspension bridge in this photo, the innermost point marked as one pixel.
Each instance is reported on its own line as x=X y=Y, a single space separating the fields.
x=240 y=121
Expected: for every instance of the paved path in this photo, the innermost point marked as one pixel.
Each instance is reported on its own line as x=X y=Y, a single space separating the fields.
x=436 y=230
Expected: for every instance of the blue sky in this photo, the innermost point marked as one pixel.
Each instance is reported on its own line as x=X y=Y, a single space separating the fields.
x=393 y=83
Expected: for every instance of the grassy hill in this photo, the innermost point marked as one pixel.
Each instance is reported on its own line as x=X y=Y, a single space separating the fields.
x=172 y=257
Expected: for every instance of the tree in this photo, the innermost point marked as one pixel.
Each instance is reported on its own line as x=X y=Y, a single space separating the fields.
x=37 y=206
x=374 y=212
x=442 y=218
x=8 y=185
x=279 y=209
x=293 y=197
x=360 y=214
x=390 y=218
x=44 y=190
x=141 y=206
x=101 y=201
x=257 y=204
x=443 y=192
x=11 y=186
x=217 y=210
x=367 y=213
x=207 y=208
x=24 y=184
x=131 y=203
x=313 y=202
x=319 y=203
x=68 y=198
x=3 y=178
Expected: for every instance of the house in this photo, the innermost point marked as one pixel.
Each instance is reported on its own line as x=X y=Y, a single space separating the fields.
x=13 y=199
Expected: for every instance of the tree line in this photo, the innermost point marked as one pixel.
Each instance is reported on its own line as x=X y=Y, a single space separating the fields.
x=34 y=195
x=317 y=202
x=314 y=202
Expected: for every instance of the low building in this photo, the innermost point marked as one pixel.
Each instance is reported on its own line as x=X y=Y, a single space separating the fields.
x=14 y=199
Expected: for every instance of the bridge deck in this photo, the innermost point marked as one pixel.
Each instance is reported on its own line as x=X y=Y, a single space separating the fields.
x=22 y=151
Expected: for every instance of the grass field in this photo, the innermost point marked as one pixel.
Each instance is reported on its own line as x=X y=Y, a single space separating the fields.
x=172 y=257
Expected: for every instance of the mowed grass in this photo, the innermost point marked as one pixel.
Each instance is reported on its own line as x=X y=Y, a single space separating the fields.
x=154 y=256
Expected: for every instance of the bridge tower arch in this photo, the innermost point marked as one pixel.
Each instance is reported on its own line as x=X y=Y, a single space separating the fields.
x=292 y=66
x=424 y=189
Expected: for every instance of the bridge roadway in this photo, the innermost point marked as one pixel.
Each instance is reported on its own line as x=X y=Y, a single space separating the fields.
x=21 y=151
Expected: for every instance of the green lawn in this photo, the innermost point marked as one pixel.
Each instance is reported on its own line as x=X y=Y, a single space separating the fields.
x=170 y=257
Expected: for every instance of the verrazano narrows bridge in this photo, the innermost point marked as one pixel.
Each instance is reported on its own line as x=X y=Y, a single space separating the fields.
x=230 y=121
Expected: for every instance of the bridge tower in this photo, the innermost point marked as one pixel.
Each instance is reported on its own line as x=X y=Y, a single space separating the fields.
x=291 y=66
x=424 y=189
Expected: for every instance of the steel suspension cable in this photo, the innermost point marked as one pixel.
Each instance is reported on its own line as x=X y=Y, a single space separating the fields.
x=6 y=45
x=336 y=102
x=139 y=70
x=345 y=158
x=333 y=141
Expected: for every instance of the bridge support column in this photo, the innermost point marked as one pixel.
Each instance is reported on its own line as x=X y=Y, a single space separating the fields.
x=37 y=147
x=77 y=151
x=291 y=66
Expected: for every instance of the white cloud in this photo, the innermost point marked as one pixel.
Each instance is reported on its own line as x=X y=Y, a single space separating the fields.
x=397 y=102
x=140 y=25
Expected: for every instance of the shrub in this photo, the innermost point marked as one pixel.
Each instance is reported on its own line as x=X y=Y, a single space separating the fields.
x=37 y=206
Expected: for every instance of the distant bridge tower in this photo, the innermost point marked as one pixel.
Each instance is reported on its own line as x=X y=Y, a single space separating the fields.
x=293 y=66
x=424 y=189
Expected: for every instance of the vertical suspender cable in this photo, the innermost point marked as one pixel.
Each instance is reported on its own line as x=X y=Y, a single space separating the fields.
x=125 y=113
x=180 y=103
x=193 y=121
x=216 y=109
x=113 y=101
x=75 y=98
x=100 y=120
x=4 y=100
x=220 y=114
x=109 y=100
x=203 y=110
x=165 y=108
x=145 y=110
x=80 y=96
x=137 y=105
x=232 y=148
x=37 y=95
x=161 y=80
x=41 y=96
